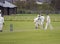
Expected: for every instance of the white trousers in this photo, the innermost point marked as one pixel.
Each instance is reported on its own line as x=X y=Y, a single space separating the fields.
x=42 y=25
x=1 y=26
x=36 y=24
x=48 y=24
x=39 y=24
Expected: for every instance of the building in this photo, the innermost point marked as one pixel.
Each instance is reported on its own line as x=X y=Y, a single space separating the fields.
x=7 y=8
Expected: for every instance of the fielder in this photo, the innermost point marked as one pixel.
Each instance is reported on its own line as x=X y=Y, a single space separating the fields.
x=1 y=22
x=42 y=18
x=39 y=21
x=48 y=22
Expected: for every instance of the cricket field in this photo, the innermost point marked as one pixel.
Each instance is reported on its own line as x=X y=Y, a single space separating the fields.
x=24 y=31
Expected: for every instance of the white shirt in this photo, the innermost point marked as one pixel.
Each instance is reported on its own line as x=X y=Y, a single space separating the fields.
x=36 y=20
x=1 y=20
x=42 y=18
x=48 y=19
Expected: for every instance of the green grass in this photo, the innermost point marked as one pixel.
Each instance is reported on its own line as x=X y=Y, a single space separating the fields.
x=30 y=37
x=30 y=17
x=24 y=31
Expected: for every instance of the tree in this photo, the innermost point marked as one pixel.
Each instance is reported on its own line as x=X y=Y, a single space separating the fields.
x=55 y=4
x=32 y=5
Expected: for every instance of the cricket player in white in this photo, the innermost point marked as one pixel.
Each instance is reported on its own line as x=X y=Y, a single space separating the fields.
x=36 y=21
x=39 y=21
x=42 y=18
x=1 y=22
x=48 y=22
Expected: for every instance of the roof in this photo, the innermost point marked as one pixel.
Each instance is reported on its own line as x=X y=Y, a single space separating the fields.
x=1 y=4
x=8 y=4
x=39 y=2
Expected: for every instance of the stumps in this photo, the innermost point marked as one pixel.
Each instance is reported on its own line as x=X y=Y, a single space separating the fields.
x=11 y=27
